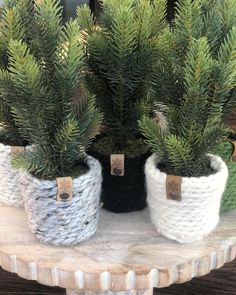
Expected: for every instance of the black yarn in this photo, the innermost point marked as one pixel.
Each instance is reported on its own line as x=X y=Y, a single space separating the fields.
x=126 y=193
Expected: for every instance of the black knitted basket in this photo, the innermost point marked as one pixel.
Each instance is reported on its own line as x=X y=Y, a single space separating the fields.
x=126 y=193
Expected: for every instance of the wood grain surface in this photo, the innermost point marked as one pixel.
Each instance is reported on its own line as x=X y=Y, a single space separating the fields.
x=218 y=282
x=125 y=253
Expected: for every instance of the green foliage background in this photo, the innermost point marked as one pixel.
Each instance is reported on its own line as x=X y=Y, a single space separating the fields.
x=195 y=82
x=42 y=86
x=15 y=23
x=122 y=47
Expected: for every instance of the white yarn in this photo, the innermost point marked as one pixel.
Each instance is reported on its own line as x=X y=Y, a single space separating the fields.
x=63 y=223
x=197 y=213
x=10 y=192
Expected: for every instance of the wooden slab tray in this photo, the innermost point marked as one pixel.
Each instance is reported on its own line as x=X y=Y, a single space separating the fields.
x=126 y=254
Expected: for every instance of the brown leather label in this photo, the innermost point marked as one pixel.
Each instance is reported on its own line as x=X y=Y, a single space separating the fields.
x=117 y=164
x=16 y=150
x=173 y=187
x=64 y=189
x=233 y=156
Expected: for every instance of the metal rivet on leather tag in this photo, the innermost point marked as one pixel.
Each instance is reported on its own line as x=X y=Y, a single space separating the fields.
x=117 y=171
x=117 y=164
x=173 y=187
x=64 y=196
x=64 y=189
x=233 y=156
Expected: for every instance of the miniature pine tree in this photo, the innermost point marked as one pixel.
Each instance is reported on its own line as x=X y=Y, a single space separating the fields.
x=195 y=19
x=199 y=74
x=15 y=23
x=41 y=86
x=122 y=46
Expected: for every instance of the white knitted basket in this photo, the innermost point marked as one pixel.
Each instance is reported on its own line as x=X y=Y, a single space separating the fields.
x=197 y=213
x=63 y=223
x=10 y=191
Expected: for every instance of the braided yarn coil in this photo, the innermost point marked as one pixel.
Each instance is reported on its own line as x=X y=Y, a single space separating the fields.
x=225 y=151
x=197 y=213
x=10 y=186
x=63 y=223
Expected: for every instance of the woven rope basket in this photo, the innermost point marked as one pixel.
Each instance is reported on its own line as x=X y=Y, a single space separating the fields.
x=225 y=151
x=126 y=193
x=197 y=213
x=63 y=223
x=10 y=192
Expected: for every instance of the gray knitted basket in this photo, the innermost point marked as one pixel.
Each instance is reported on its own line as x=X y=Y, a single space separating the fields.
x=63 y=223
x=10 y=188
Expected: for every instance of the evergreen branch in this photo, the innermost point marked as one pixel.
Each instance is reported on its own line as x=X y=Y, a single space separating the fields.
x=89 y=119
x=158 y=18
x=188 y=22
x=210 y=138
x=85 y=18
x=69 y=63
x=37 y=161
x=46 y=29
x=11 y=28
x=68 y=147
x=226 y=70
x=179 y=153
x=198 y=66
x=155 y=136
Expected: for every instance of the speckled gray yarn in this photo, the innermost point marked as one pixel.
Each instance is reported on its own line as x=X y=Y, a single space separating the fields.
x=10 y=192
x=63 y=223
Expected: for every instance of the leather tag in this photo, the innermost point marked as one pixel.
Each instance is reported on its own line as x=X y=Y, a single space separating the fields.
x=16 y=150
x=173 y=187
x=64 y=189
x=233 y=156
x=117 y=164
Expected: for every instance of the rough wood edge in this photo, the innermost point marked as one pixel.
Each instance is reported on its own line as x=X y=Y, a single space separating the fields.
x=156 y=277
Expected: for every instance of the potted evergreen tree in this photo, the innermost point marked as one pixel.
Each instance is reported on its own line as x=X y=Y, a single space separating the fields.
x=121 y=48
x=185 y=182
x=15 y=22
x=213 y=19
x=61 y=184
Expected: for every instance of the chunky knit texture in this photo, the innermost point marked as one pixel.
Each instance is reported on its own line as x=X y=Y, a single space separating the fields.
x=126 y=193
x=63 y=223
x=197 y=213
x=10 y=192
x=225 y=151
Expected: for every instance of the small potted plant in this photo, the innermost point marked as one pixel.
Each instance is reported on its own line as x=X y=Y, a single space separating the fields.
x=185 y=182
x=121 y=48
x=216 y=21
x=14 y=23
x=62 y=184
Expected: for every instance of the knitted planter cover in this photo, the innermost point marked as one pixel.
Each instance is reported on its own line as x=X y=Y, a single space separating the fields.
x=10 y=192
x=225 y=151
x=63 y=223
x=123 y=193
x=197 y=213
